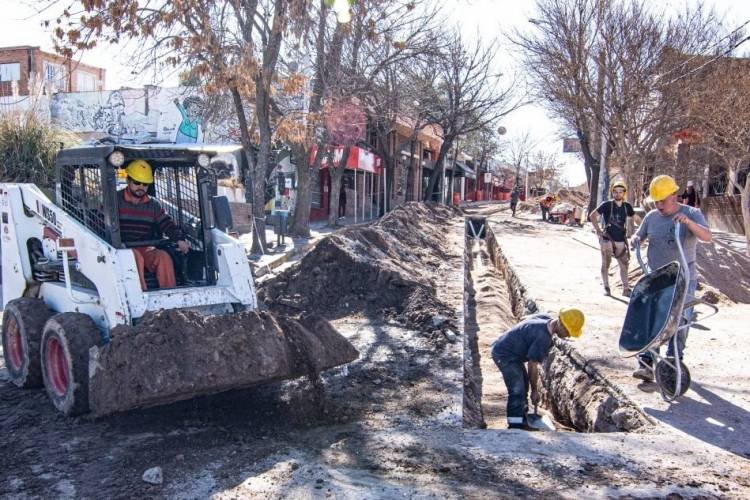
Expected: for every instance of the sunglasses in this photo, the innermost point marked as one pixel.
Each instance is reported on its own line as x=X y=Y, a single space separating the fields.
x=132 y=181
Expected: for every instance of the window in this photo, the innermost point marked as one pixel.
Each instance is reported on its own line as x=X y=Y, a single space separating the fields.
x=10 y=72
x=85 y=82
x=55 y=75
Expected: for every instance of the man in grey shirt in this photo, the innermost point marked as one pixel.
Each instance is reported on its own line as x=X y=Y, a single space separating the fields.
x=659 y=228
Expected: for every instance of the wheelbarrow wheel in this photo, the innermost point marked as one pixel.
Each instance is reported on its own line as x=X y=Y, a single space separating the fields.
x=666 y=378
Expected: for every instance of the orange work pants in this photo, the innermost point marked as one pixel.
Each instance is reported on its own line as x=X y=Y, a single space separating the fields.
x=155 y=261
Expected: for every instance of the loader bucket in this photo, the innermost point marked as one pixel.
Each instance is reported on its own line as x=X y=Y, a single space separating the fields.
x=173 y=355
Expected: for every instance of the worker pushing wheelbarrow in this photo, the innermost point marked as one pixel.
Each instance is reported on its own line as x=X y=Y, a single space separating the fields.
x=660 y=311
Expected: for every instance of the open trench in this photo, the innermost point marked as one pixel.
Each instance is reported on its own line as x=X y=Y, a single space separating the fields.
x=574 y=395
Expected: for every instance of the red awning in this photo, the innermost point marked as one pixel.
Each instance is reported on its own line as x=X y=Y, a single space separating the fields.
x=359 y=159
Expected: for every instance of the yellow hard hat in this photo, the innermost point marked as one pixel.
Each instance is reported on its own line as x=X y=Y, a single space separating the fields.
x=572 y=320
x=140 y=170
x=618 y=184
x=661 y=187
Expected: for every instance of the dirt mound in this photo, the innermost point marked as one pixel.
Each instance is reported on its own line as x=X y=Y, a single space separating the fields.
x=572 y=198
x=385 y=266
x=725 y=270
x=577 y=198
x=171 y=355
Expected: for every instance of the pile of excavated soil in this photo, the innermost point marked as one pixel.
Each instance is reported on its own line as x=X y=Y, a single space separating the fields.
x=725 y=270
x=172 y=355
x=577 y=199
x=387 y=266
x=582 y=401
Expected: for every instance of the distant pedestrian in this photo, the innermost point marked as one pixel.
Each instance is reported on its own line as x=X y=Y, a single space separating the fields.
x=613 y=238
x=342 y=200
x=546 y=206
x=514 y=200
x=529 y=342
x=659 y=228
x=690 y=196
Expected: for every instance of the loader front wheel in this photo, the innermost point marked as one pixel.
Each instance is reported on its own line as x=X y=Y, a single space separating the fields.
x=66 y=341
x=23 y=322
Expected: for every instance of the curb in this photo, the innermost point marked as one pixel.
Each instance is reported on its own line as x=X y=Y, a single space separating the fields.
x=263 y=269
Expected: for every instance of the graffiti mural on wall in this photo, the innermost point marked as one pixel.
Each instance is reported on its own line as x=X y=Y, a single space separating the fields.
x=159 y=114
x=116 y=113
x=190 y=126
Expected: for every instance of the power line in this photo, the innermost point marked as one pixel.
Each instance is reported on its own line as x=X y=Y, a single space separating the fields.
x=726 y=52
x=683 y=63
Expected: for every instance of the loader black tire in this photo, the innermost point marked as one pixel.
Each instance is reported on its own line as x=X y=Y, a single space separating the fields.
x=23 y=322
x=66 y=341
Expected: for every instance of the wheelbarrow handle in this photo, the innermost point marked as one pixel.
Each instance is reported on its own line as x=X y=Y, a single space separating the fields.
x=701 y=302
x=644 y=266
x=678 y=228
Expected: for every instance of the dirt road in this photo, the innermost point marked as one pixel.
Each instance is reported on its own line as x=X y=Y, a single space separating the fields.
x=389 y=424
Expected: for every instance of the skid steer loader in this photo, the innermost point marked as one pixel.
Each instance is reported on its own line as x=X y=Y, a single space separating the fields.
x=75 y=313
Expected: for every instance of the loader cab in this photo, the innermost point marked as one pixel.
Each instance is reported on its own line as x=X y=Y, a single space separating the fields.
x=88 y=179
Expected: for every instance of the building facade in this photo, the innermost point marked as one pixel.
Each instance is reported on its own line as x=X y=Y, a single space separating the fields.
x=19 y=65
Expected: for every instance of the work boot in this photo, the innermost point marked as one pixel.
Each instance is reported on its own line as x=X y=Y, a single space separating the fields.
x=645 y=374
x=607 y=290
x=626 y=292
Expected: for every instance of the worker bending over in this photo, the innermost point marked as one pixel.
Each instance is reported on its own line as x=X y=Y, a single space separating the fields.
x=613 y=238
x=529 y=342
x=142 y=218
x=546 y=205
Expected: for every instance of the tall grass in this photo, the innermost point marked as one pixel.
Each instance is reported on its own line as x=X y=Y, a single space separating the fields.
x=28 y=147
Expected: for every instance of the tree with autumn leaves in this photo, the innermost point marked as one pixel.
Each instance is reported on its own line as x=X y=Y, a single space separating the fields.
x=287 y=66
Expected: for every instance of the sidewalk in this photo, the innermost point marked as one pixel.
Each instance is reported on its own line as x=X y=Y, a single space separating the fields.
x=292 y=248
x=559 y=266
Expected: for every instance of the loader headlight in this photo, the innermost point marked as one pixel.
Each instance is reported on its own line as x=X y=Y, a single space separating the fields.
x=117 y=159
x=203 y=160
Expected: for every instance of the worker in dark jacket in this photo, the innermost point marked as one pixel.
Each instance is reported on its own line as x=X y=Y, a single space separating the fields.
x=514 y=200
x=142 y=218
x=529 y=342
x=690 y=196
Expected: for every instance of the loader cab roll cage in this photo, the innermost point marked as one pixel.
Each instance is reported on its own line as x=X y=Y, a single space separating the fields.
x=87 y=185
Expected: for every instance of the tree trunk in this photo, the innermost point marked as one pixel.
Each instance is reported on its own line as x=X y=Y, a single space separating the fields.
x=305 y=175
x=336 y=174
x=437 y=172
x=259 y=181
x=745 y=207
x=383 y=149
x=251 y=179
x=591 y=164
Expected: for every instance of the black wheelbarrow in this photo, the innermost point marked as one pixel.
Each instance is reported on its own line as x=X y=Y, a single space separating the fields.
x=655 y=317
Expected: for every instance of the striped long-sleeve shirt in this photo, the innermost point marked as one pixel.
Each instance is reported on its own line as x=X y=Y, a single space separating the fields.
x=144 y=219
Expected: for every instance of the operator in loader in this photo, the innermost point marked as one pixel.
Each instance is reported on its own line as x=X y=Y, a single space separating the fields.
x=141 y=217
x=529 y=342
x=658 y=227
